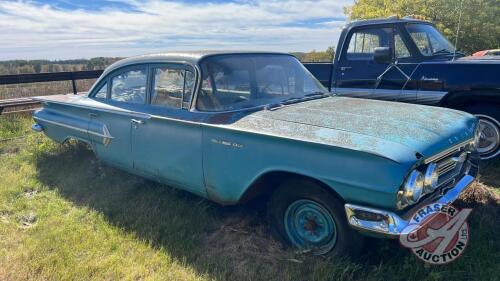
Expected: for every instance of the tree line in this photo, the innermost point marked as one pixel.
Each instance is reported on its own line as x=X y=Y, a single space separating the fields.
x=39 y=66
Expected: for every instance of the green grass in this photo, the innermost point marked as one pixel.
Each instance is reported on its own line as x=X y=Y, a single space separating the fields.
x=65 y=216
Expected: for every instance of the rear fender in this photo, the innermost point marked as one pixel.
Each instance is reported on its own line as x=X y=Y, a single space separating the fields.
x=60 y=126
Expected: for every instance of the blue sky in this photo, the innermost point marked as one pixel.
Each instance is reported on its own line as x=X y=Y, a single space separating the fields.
x=63 y=29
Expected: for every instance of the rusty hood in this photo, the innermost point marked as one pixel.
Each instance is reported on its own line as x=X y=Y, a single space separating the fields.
x=384 y=128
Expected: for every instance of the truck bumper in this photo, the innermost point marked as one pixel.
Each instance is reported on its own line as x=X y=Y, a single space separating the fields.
x=382 y=223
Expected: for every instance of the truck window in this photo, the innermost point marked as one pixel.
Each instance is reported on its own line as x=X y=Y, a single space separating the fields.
x=428 y=40
x=363 y=42
x=400 y=48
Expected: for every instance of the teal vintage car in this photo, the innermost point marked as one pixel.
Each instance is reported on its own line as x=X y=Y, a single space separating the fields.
x=236 y=126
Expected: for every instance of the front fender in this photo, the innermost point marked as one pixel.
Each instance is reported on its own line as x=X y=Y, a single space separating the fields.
x=234 y=160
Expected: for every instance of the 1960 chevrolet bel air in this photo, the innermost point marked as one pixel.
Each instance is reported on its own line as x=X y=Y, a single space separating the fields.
x=234 y=126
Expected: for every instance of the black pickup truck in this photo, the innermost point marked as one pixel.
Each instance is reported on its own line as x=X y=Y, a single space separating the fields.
x=408 y=60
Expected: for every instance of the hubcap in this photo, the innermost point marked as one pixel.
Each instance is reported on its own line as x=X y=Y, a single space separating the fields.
x=310 y=226
x=490 y=137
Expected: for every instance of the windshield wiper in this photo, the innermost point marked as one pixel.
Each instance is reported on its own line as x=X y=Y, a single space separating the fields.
x=447 y=52
x=292 y=100
x=442 y=51
x=318 y=94
x=306 y=97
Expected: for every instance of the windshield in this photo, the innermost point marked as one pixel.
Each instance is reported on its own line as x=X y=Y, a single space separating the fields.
x=232 y=82
x=428 y=40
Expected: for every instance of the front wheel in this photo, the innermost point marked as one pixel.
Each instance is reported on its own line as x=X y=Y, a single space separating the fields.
x=489 y=125
x=304 y=215
x=489 y=143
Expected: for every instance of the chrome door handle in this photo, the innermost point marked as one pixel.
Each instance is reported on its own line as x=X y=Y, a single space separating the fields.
x=135 y=121
x=343 y=68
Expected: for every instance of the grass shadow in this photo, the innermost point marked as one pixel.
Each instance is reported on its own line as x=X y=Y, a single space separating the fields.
x=490 y=172
x=228 y=243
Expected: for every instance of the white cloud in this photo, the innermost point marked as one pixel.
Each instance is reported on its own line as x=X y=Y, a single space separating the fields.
x=29 y=30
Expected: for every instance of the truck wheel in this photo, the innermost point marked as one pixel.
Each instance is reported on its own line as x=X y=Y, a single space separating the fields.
x=305 y=216
x=489 y=122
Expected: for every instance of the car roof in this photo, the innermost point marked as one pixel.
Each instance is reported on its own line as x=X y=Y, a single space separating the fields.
x=389 y=20
x=190 y=57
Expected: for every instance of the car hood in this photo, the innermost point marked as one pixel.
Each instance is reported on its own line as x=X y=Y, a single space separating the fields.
x=384 y=128
x=482 y=59
x=495 y=60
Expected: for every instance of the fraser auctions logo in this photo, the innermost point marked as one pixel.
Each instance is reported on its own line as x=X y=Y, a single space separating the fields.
x=437 y=233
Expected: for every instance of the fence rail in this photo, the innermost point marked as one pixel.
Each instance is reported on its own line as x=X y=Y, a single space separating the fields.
x=38 y=78
x=73 y=76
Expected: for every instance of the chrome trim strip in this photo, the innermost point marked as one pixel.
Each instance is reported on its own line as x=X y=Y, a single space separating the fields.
x=353 y=92
x=378 y=94
x=430 y=97
x=105 y=135
x=120 y=112
x=392 y=225
x=447 y=152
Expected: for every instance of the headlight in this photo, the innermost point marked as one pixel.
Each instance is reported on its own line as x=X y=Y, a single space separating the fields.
x=412 y=190
x=431 y=178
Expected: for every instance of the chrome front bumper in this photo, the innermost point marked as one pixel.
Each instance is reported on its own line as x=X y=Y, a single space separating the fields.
x=383 y=223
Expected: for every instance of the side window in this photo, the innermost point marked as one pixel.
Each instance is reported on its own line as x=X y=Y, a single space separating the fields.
x=272 y=80
x=363 y=42
x=223 y=88
x=400 y=48
x=189 y=83
x=172 y=88
x=129 y=86
x=422 y=42
x=102 y=93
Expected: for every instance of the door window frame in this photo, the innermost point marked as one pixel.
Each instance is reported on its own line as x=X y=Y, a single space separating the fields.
x=396 y=29
x=171 y=65
x=412 y=48
x=353 y=31
x=108 y=79
x=127 y=69
x=149 y=81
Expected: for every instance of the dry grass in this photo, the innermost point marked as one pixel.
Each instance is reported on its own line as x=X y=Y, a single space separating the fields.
x=43 y=89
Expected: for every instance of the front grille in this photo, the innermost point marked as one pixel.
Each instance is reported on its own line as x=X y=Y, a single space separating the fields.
x=446 y=165
x=451 y=165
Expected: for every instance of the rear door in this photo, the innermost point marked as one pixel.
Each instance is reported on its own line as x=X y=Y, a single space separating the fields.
x=120 y=96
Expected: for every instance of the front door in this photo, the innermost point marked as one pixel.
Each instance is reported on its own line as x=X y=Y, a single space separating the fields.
x=359 y=75
x=357 y=72
x=395 y=82
x=167 y=146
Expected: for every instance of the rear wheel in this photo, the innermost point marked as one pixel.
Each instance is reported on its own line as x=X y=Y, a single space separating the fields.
x=304 y=215
x=489 y=124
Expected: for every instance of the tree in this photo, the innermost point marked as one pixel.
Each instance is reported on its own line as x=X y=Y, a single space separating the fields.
x=479 y=25
x=324 y=56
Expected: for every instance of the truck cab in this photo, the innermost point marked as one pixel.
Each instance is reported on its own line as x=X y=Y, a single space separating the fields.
x=409 y=60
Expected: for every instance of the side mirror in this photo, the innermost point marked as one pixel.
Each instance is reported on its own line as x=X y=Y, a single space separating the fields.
x=382 y=55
